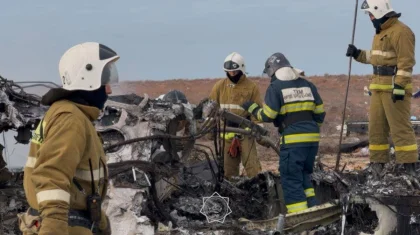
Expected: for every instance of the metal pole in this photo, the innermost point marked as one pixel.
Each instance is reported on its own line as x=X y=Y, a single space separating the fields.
x=337 y=164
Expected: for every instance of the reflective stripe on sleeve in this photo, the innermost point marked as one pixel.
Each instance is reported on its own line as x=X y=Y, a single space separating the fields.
x=269 y=112
x=231 y=106
x=53 y=195
x=383 y=53
x=404 y=73
x=368 y=55
x=30 y=162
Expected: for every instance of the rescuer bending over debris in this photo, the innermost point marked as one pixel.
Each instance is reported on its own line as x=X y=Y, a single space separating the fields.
x=296 y=108
x=65 y=176
x=230 y=93
x=392 y=57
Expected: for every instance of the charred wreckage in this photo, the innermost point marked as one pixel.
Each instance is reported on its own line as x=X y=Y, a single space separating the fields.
x=163 y=181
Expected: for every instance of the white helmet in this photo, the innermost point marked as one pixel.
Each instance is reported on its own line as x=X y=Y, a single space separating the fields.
x=87 y=66
x=378 y=8
x=233 y=62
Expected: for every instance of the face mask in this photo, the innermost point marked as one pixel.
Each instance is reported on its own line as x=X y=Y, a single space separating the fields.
x=235 y=79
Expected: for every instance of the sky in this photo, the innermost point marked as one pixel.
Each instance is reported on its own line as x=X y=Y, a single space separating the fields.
x=167 y=39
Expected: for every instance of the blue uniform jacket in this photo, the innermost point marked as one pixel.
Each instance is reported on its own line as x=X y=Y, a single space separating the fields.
x=296 y=108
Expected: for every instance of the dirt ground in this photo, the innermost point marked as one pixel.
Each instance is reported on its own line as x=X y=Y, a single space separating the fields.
x=332 y=90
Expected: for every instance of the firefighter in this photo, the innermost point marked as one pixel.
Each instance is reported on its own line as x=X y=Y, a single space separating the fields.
x=230 y=93
x=66 y=154
x=294 y=105
x=392 y=58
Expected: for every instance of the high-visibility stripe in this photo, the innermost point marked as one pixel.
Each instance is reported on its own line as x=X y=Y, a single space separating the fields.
x=404 y=73
x=319 y=109
x=85 y=174
x=227 y=135
x=302 y=138
x=297 y=107
x=380 y=87
x=30 y=162
x=378 y=147
x=383 y=53
x=368 y=56
x=37 y=136
x=386 y=87
x=398 y=92
x=310 y=192
x=319 y=124
x=231 y=106
x=296 y=207
x=53 y=195
x=269 y=112
x=406 y=148
x=252 y=107
x=259 y=117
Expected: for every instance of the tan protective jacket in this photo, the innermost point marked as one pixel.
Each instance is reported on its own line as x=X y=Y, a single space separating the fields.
x=393 y=46
x=231 y=96
x=60 y=150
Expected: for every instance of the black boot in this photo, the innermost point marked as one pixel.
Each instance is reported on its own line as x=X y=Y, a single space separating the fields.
x=377 y=169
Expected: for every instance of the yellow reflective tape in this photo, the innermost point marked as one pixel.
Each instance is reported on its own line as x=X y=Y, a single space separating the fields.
x=383 y=53
x=297 y=107
x=302 y=138
x=319 y=109
x=398 y=92
x=296 y=207
x=259 y=117
x=378 y=147
x=380 y=87
x=386 y=87
x=85 y=174
x=36 y=135
x=269 y=112
x=406 y=148
x=53 y=195
x=252 y=107
x=227 y=136
x=368 y=56
x=30 y=162
x=310 y=192
x=404 y=73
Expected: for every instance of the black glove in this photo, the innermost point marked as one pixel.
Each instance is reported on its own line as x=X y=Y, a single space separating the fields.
x=398 y=93
x=353 y=51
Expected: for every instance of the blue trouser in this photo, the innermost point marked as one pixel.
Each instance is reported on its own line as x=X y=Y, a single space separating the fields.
x=296 y=166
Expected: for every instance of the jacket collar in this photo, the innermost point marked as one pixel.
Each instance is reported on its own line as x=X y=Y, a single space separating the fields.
x=390 y=22
x=288 y=74
x=91 y=112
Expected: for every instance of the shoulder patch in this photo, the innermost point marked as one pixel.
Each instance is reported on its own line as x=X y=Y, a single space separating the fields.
x=297 y=94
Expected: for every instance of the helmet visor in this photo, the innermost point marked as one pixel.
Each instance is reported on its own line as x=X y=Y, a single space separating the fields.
x=231 y=66
x=110 y=74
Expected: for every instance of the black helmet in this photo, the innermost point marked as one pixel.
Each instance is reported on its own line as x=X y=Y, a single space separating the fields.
x=175 y=96
x=274 y=63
